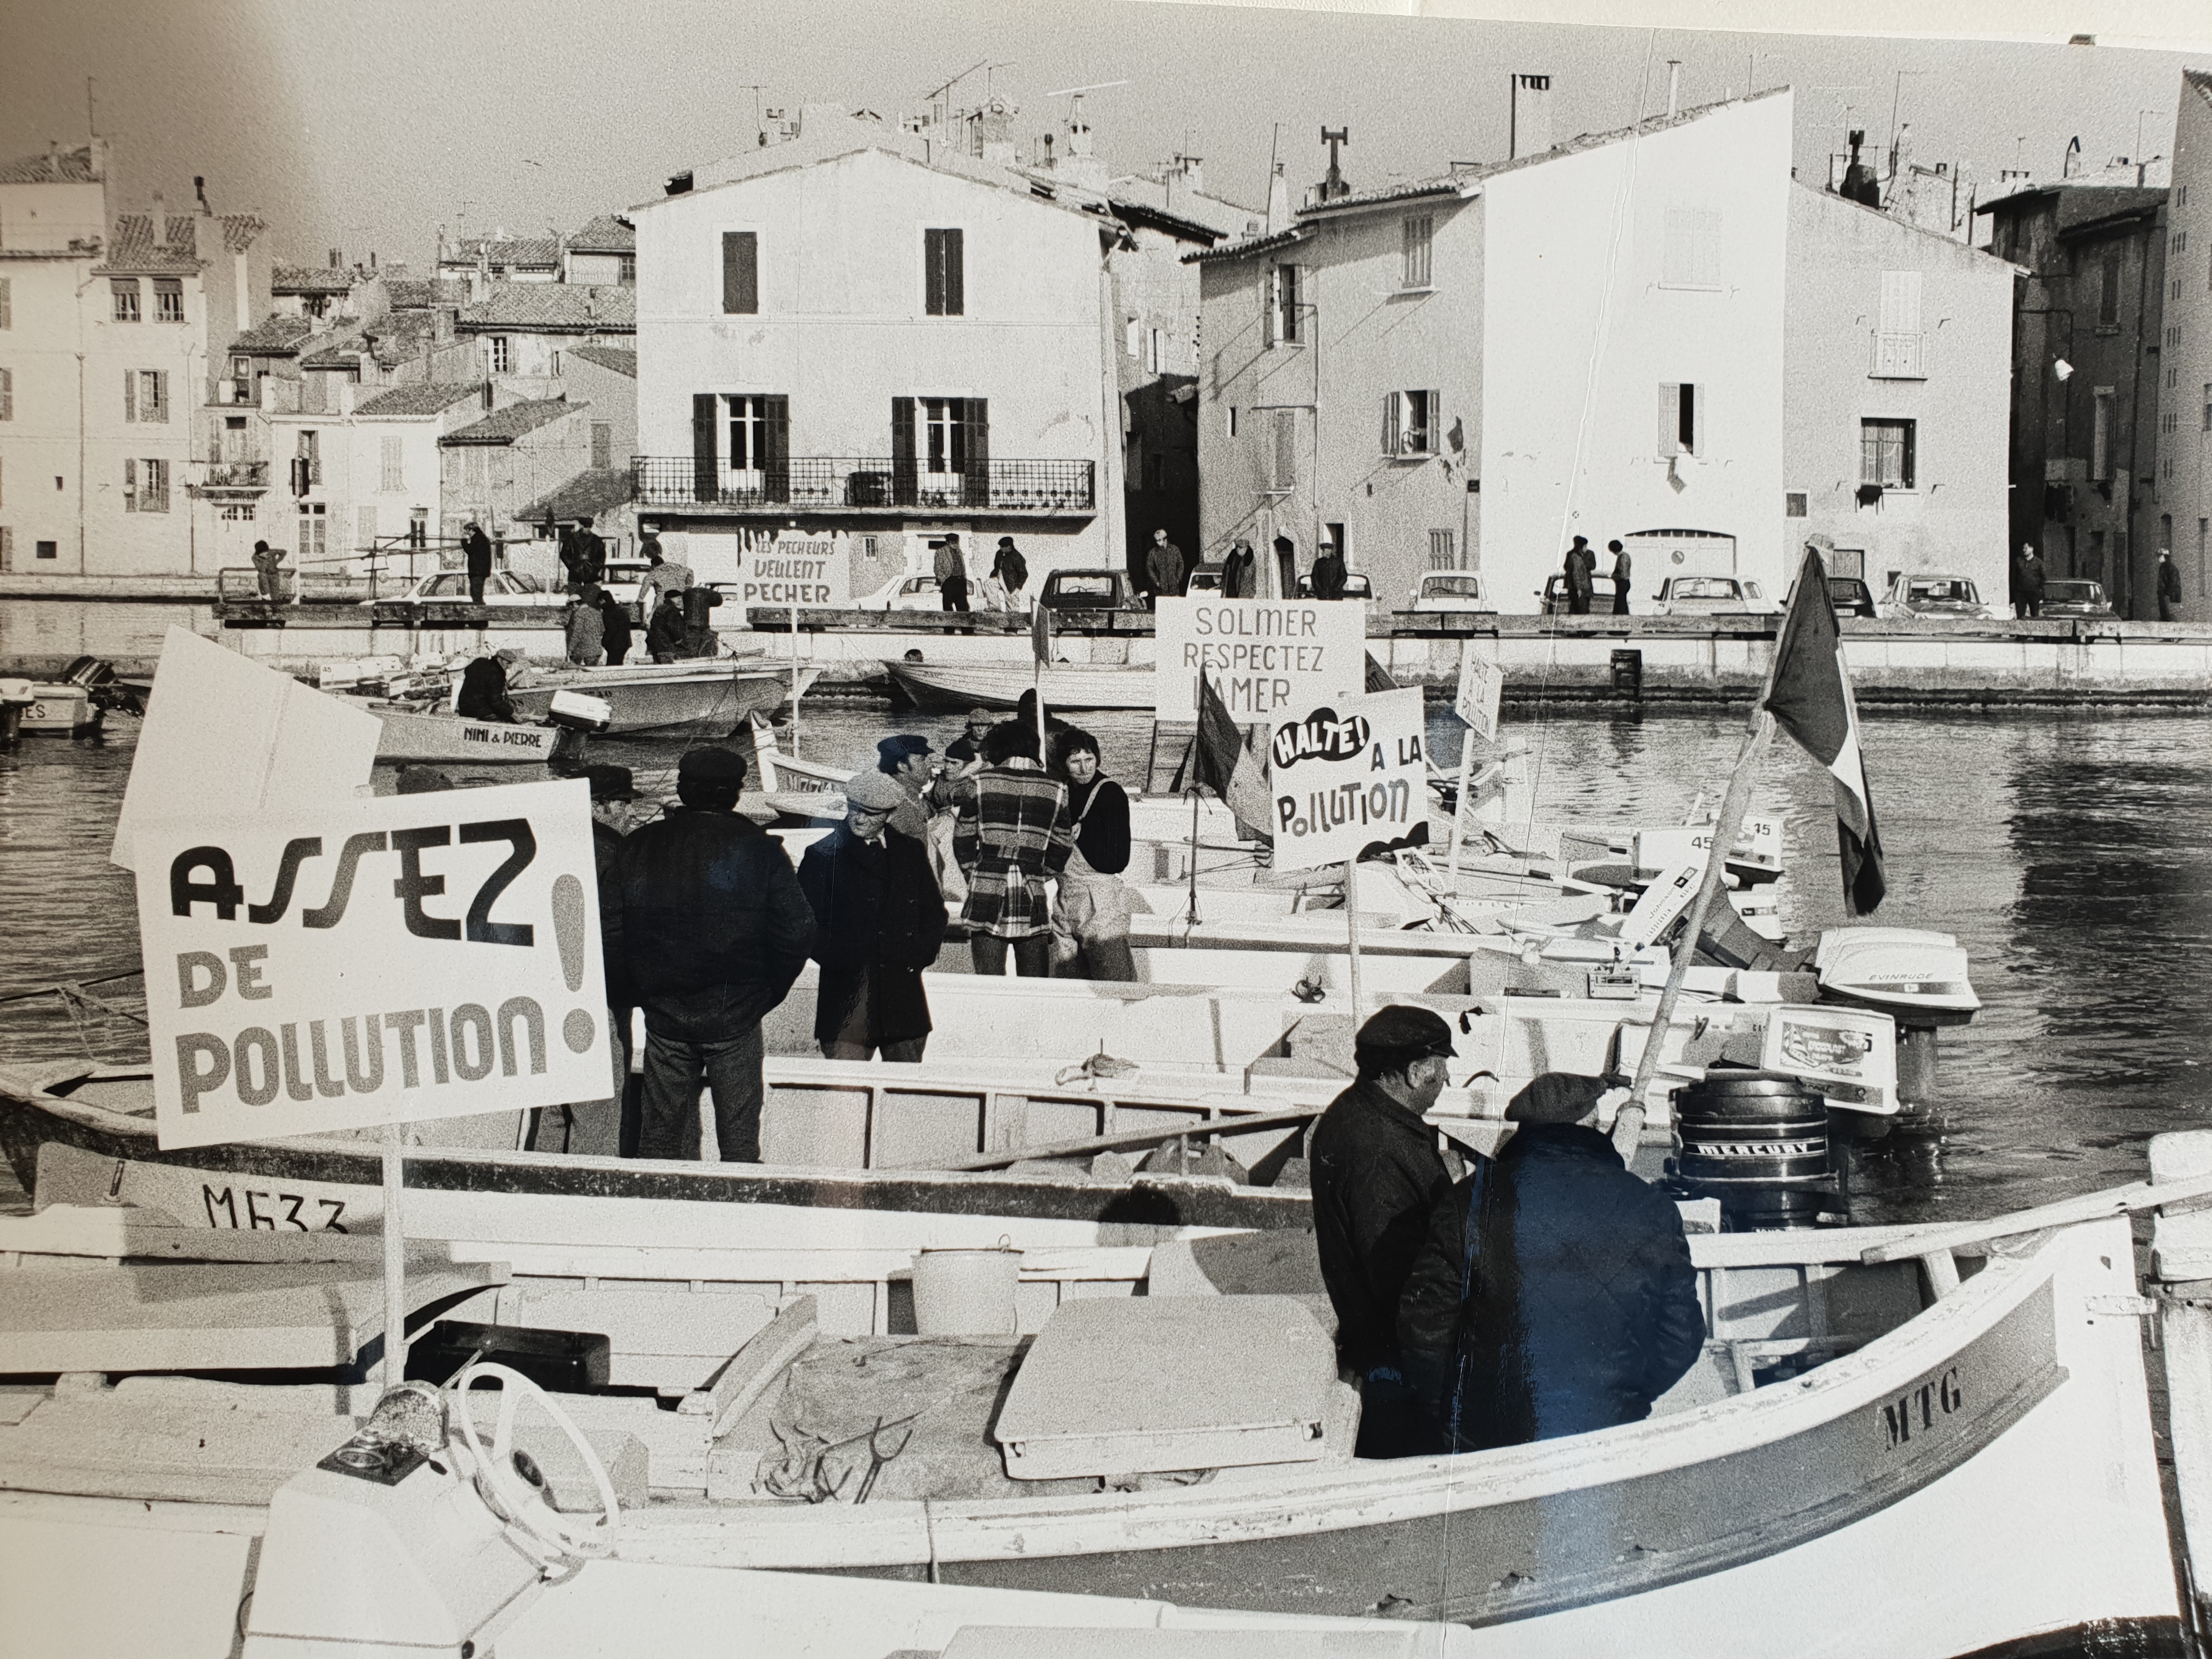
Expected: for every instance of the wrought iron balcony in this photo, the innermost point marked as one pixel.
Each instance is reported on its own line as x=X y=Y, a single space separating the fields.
x=818 y=483
x=222 y=477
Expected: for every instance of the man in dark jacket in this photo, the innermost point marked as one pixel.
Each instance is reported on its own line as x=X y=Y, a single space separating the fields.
x=951 y=567
x=666 y=639
x=591 y=554
x=2027 y=582
x=1582 y=566
x=1553 y=1293
x=614 y=627
x=1328 y=573
x=1164 y=568
x=715 y=929
x=1376 y=1175
x=879 y=919
x=2169 y=587
x=484 y=693
x=1238 y=579
x=475 y=552
x=1012 y=571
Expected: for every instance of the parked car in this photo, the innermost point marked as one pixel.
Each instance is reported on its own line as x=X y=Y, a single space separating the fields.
x=1554 y=596
x=914 y=593
x=501 y=587
x=1937 y=598
x=1205 y=578
x=1712 y=595
x=1086 y=590
x=1850 y=596
x=1356 y=586
x=1451 y=590
x=2075 y=598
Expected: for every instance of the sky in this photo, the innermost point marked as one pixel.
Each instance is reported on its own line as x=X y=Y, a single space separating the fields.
x=360 y=126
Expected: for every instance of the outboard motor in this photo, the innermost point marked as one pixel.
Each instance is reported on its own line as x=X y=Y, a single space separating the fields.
x=1917 y=977
x=1757 y=1141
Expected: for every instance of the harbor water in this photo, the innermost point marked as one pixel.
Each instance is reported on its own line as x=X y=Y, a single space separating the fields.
x=2069 y=853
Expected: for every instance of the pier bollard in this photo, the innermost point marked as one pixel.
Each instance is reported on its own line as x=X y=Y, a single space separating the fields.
x=1628 y=675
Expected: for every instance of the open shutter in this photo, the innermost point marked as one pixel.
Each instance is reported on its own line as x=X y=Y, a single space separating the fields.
x=705 y=486
x=1699 y=415
x=906 y=485
x=977 y=421
x=1670 y=421
x=1433 y=442
x=129 y=394
x=7 y=306
x=1287 y=280
x=775 y=447
x=956 y=274
x=740 y=272
x=1394 y=422
x=129 y=486
x=1909 y=462
x=1286 y=448
x=7 y=394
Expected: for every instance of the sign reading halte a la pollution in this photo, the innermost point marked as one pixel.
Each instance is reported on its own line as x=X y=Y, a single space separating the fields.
x=1351 y=774
x=374 y=961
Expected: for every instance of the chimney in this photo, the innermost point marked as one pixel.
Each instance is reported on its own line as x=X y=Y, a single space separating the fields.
x=1531 y=116
x=1673 y=87
x=1048 y=151
x=2073 y=163
x=1279 y=202
x=200 y=190
x=338 y=258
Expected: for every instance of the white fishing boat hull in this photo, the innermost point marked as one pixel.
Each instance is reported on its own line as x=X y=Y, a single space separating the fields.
x=716 y=696
x=411 y=735
x=948 y=685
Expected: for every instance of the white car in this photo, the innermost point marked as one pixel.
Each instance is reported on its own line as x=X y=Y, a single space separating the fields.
x=914 y=593
x=1451 y=590
x=501 y=587
x=1710 y=596
x=1933 y=598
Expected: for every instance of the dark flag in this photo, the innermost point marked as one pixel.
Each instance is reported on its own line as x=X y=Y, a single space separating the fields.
x=1223 y=763
x=1378 y=676
x=1041 y=634
x=1810 y=698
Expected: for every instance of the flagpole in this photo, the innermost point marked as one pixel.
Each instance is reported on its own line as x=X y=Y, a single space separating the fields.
x=1352 y=931
x=794 y=679
x=395 y=1259
x=1459 y=805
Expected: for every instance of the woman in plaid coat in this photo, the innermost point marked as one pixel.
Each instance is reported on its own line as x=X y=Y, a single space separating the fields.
x=1014 y=834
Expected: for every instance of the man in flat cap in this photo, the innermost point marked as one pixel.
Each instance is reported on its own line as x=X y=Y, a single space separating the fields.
x=905 y=759
x=715 y=929
x=1553 y=1293
x=1377 y=1173
x=879 y=920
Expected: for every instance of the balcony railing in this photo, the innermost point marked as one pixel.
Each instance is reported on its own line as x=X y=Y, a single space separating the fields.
x=223 y=476
x=1899 y=356
x=832 y=484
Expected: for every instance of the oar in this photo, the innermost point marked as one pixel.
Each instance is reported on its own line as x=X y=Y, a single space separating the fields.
x=2066 y=1212
x=1128 y=1137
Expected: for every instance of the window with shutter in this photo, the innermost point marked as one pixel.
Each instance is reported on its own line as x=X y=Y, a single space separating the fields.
x=154 y=496
x=129 y=486
x=775 y=447
x=1670 y=421
x=1287 y=304
x=906 y=485
x=395 y=479
x=740 y=272
x=125 y=292
x=129 y=394
x=156 y=390
x=1286 y=449
x=943 y=275
x=7 y=303
x=706 y=484
x=1886 y=453
x=976 y=469
x=7 y=394
x=168 y=300
x=1690 y=426
x=603 y=445
x=1899 y=344
x=1393 y=421
x=1419 y=236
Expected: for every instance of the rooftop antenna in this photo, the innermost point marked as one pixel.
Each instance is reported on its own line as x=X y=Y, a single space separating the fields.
x=933 y=97
x=760 y=133
x=1334 y=186
x=91 y=126
x=988 y=69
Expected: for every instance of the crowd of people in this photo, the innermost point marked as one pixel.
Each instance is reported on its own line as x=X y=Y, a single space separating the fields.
x=707 y=925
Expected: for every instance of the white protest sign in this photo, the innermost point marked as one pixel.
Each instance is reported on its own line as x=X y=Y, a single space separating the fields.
x=1349 y=774
x=808 y=573
x=230 y=735
x=1481 y=684
x=374 y=961
x=1269 y=658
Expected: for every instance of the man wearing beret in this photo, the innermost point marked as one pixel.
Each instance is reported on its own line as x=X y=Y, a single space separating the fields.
x=879 y=920
x=715 y=929
x=1553 y=1293
x=1377 y=1173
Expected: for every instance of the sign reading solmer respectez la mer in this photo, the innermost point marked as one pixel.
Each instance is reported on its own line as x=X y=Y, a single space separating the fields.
x=1349 y=774
x=1267 y=658
x=375 y=961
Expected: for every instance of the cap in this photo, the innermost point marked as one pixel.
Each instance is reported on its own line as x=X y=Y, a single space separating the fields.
x=1005 y=541
x=511 y=654
x=1400 y=1033
x=895 y=750
x=1556 y=1097
x=875 y=792
x=611 y=783
x=712 y=764
x=981 y=717
x=422 y=780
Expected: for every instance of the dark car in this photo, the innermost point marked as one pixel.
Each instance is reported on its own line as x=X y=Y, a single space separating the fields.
x=1554 y=595
x=2075 y=598
x=1085 y=590
x=1851 y=595
x=1356 y=587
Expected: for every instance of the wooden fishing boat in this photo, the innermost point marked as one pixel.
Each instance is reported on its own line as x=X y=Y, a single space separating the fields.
x=1926 y=1444
x=715 y=695
x=1000 y=685
x=416 y=734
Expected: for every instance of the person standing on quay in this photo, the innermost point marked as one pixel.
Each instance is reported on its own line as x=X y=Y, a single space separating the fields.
x=2027 y=582
x=1012 y=571
x=1014 y=833
x=951 y=567
x=1237 y=578
x=1582 y=566
x=2169 y=585
x=591 y=553
x=1623 y=567
x=1163 y=569
x=1328 y=573
x=715 y=929
x=476 y=555
x=664 y=578
x=879 y=920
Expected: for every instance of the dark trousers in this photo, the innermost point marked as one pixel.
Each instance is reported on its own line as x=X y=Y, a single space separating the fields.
x=1620 y=601
x=675 y=1067
x=2165 y=609
x=476 y=581
x=2028 y=607
x=1393 y=1422
x=1032 y=956
x=1104 y=958
x=956 y=593
x=1577 y=603
x=907 y=1053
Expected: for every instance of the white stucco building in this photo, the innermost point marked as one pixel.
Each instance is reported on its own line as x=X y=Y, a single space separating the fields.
x=2184 y=461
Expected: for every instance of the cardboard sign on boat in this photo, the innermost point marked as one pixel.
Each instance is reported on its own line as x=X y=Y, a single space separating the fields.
x=372 y=962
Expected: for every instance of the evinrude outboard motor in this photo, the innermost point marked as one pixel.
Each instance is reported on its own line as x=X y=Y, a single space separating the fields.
x=1918 y=979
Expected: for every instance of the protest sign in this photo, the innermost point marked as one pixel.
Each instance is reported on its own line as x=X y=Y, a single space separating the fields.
x=812 y=573
x=1268 y=659
x=1481 y=684
x=1351 y=774
x=372 y=962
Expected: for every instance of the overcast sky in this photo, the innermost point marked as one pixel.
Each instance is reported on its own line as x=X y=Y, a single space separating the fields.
x=361 y=125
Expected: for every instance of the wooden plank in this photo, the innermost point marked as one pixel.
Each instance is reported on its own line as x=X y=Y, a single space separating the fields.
x=1195 y=1130
x=2186 y=1333
x=2091 y=1206
x=1942 y=1273
x=172 y=1317
x=754 y=1367
x=124 y=1231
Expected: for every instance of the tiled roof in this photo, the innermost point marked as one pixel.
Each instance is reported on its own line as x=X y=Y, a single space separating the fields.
x=339 y=350
x=274 y=337
x=423 y=293
x=604 y=235
x=432 y=399
x=589 y=493
x=240 y=231
x=1238 y=250
x=504 y=426
x=310 y=279
x=133 y=250
x=1144 y=213
x=184 y=233
x=70 y=167
x=614 y=357
x=1223 y=218
x=534 y=251
x=554 y=307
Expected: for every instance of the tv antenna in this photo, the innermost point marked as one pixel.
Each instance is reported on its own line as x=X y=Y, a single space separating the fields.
x=1077 y=92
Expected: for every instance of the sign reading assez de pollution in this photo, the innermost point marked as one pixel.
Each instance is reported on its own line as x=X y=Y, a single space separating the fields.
x=812 y=574
x=415 y=957
x=1350 y=775
x=1267 y=658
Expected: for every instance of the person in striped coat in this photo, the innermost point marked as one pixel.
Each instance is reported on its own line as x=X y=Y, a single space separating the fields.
x=1014 y=834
